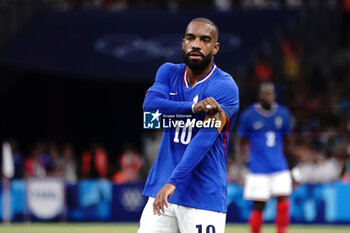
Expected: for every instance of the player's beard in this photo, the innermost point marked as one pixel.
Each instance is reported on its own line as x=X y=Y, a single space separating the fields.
x=197 y=66
x=265 y=104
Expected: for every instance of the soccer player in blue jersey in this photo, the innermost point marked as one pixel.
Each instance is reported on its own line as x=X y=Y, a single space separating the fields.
x=265 y=125
x=187 y=183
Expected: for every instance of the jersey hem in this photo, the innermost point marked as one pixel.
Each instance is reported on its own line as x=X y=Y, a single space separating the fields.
x=189 y=205
x=269 y=172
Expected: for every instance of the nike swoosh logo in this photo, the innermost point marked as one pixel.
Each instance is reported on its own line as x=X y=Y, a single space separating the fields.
x=171 y=93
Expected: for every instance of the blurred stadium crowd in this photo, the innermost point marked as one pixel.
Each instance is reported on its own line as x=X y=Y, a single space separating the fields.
x=308 y=62
x=310 y=65
x=47 y=159
x=223 y=5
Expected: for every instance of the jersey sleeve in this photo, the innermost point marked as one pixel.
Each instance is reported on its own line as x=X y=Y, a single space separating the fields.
x=157 y=96
x=194 y=153
x=226 y=94
x=161 y=83
x=243 y=126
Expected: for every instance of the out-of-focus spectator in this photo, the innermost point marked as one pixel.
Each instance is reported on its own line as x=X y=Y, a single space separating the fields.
x=346 y=176
x=72 y=4
x=223 y=5
x=292 y=53
x=263 y=69
x=260 y=3
x=115 y=4
x=322 y=170
x=346 y=172
x=95 y=163
x=130 y=163
x=315 y=167
x=54 y=166
x=86 y=161
x=236 y=171
x=68 y=166
x=17 y=160
x=42 y=150
x=150 y=145
x=34 y=167
x=237 y=164
x=101 y=162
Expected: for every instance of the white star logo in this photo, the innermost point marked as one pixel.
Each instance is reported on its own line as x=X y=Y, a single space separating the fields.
x=156 y=115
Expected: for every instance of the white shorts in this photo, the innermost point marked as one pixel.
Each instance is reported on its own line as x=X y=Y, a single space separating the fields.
x=178 y=218
x=261 y=187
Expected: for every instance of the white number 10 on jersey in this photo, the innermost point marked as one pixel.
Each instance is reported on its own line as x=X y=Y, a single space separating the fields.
x=183 y=139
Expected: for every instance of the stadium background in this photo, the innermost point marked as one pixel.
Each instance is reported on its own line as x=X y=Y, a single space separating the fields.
x=73 y=76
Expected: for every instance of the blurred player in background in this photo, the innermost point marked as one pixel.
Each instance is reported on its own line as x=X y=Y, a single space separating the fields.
x=265 y=125
x=187 y=184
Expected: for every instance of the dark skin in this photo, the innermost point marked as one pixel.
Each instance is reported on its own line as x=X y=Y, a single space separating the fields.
x=266 y=98
x=200 y=39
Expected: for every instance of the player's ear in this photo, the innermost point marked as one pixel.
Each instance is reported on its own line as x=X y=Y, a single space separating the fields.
x=216 y=48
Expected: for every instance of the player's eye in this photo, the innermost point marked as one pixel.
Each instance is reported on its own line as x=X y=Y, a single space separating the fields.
x=205 y=39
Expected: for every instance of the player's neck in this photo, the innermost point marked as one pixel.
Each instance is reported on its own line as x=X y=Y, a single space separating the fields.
x=266 y=106
x=196 y=75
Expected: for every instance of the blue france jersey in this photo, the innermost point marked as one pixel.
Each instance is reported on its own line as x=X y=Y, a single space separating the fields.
x=192 y=159
x=265 y=131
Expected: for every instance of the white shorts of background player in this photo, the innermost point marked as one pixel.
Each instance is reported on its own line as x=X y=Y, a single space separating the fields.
x=261 y=187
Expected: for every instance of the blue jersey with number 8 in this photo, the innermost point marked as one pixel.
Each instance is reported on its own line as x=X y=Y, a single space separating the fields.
x=265 y=131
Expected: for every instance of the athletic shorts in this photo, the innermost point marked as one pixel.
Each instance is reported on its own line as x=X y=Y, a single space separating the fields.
x=178 y=218
x=261 y=187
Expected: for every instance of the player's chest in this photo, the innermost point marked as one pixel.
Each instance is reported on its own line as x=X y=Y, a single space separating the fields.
x=178 y=92
x=262 y=124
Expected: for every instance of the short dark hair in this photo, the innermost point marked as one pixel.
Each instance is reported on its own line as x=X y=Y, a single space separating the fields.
x=208 y=21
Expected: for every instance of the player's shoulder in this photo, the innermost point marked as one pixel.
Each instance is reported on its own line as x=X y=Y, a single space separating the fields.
x=250 y=110
x=168 y=72
x=222 y=76
x=223 y=81
x=171 y=67
x=283 y=109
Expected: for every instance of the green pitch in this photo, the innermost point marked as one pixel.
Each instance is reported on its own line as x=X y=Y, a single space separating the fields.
x=132 y=228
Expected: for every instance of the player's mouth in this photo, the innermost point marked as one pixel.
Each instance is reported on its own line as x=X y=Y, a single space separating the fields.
x=195 y=55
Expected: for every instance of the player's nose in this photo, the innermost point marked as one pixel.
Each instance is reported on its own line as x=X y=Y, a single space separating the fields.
x=196 y=43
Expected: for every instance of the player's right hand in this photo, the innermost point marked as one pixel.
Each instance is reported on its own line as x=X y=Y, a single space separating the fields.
x=162 y=197
x=208 y=106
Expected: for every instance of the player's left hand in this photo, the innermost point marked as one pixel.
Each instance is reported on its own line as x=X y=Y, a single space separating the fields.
x=209 y=106
x=162 y=197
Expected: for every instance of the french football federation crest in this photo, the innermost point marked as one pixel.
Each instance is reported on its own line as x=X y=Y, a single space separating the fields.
x=278 y=122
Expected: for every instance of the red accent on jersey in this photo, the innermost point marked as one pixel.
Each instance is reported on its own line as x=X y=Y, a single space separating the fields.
x=228 y=122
